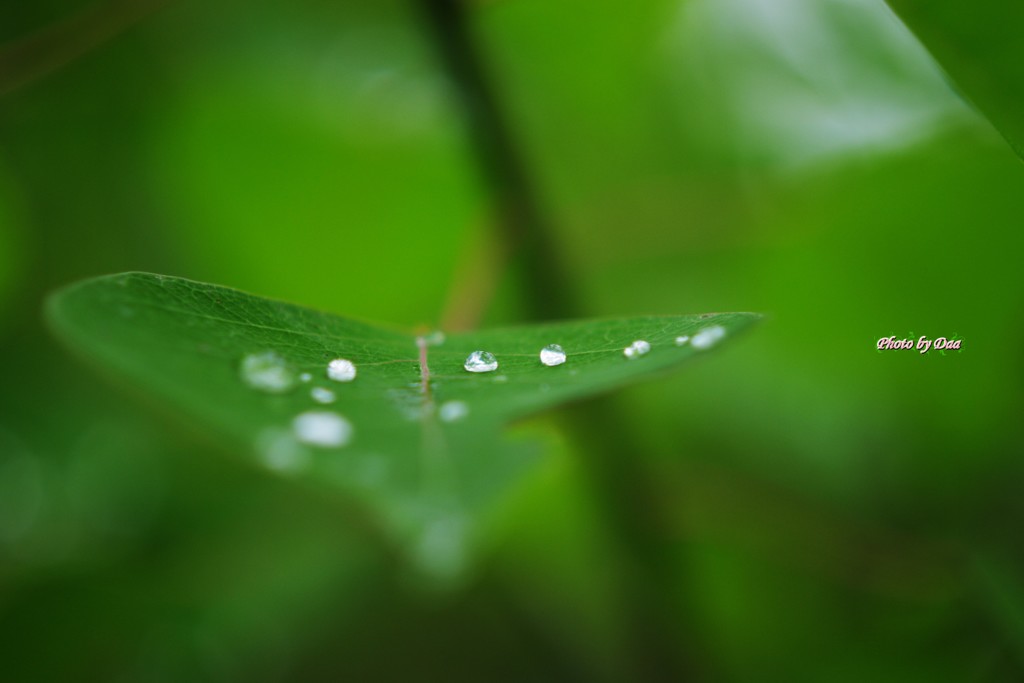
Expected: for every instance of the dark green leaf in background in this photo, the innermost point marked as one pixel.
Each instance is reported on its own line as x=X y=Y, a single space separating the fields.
x=425 y=452
x=979 y=46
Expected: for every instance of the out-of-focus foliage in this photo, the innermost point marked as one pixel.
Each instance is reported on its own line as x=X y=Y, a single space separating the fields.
x=11 y=256
x=801 y=507
x=295 y=134
x=979 y=45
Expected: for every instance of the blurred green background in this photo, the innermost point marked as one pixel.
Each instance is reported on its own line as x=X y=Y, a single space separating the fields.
x=816 y=510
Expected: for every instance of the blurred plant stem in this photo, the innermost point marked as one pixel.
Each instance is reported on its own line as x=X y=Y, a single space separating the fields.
x=54 y=46
x=521 y=223
x=619 y=477
x=475 y=282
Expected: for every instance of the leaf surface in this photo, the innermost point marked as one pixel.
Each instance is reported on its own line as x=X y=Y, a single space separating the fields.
x=425 y=453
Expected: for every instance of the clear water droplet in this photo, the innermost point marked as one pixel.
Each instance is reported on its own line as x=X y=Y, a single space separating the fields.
x=341 y=370
x=680 y=341
x=281 y=452
x=481 y=361
x=305 y=377
x=450 y=411
x=552 y=355
x=708 y=337
x=636 y=349
x=321 y=428
x=409 y=402
x=322 y=395
x=268 y=372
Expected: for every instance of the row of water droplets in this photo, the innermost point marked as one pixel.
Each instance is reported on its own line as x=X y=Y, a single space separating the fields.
x=484 y=361
x=268 y=372
x=553 y=354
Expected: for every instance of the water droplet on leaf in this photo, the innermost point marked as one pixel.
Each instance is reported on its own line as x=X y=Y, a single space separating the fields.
x=680 y=341
x=481 y=361
x=281 y=452
x=552 y=355
x=708 y=337
x=268 y=372
x=322 y=395
x=451 y=411
x=409 y=402
x=341 y=370
x=636 y=349
x=321 y=428
x=305 y=377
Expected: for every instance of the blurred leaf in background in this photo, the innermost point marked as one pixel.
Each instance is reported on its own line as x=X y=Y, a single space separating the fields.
x=797 y=88
x=979 y=47
x=338 y=132
x=11 y=227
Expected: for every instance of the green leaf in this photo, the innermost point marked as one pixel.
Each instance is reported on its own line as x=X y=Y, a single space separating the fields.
x=428 y=480
x=979 y=45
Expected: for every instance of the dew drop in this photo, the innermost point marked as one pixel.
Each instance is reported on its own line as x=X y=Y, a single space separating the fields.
x=636 y=349
x=268 y=372
x=281 y=452
x=450 y=411
x=320 y=428
x=409 y=402
x=305 y=377
x=708 y=337
x=481 y=361
x=341 y=370
x=680 y=341
x=552 y=355
x=322 y=395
